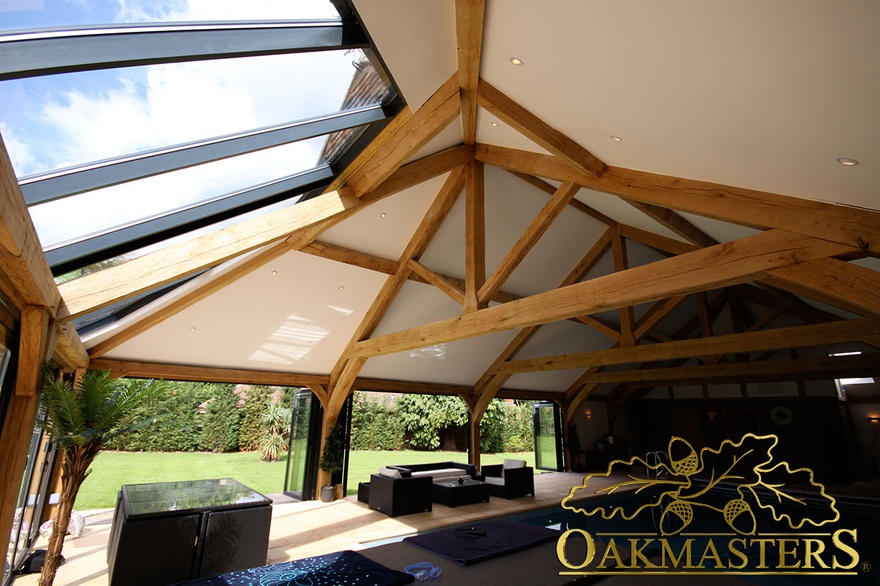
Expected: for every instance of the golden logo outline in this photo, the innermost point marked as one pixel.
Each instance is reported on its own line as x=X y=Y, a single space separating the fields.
x=692 y=464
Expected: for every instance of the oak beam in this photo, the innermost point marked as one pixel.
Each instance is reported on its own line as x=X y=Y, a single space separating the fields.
x=835 y=282
x=437 y=281
x=854 y=227
x=621 y=263
x=822 y=368
x=589 y=260
x=475 y=236
x=179 y=372
x=469 y=17
x=350 y=257
x=776 y=339
x=391 y=130
x=431 y=222
x=22 y=262
x=530 y=237
x=97 y=290
x=539 y=131
x=717 y=266
x=575 y=203
x=414 y=133
x=675 y=223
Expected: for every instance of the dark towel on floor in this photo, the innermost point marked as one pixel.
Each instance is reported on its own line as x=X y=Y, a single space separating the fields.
x=483 y=541
x=334 y=569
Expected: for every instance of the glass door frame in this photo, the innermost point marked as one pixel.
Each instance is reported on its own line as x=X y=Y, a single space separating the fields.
x=537 y=407
x=312 y=455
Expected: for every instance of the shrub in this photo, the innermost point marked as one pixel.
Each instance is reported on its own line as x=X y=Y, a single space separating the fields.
x=256 y=402
x=275 y=437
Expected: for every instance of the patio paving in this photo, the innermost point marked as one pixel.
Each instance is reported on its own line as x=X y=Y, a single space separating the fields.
x=304 y=529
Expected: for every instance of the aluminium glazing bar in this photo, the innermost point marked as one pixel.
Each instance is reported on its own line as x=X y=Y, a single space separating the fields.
x=33 y=53
x=59 y=184
x=68 y=257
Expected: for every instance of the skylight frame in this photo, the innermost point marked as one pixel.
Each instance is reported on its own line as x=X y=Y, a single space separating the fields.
x=31 y=53
x=42 y=52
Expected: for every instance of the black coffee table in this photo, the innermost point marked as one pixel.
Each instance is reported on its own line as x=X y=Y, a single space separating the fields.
x=454 y=493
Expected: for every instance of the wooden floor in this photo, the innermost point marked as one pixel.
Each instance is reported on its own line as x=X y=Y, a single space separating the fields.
x=304 y=529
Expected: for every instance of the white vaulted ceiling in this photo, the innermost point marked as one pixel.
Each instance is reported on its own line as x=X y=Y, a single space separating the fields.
x=759 y=95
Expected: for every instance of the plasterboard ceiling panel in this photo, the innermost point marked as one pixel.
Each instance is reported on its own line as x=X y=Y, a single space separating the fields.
x=869 y=263
x=720 y=231
x=445 y=254
x=296 y=320
x=449 y=137
x=503 y=134
x=368 y=231
x=554 y=380
x=416 y=304
x=458 y=363
x=563 y=337
x=170 y=298
x=557 y=252
x=511 y=205
x=764 y=114
x=416 y=41
x=454 y=363
x=620 y=211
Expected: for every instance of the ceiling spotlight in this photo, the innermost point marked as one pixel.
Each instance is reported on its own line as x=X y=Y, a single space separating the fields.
x=382 y=215
x=274 y=273
x=847 y=161
x=616 y=138
x=341 y=287
x=192 y=329
x=516 y=60
x=495 y=124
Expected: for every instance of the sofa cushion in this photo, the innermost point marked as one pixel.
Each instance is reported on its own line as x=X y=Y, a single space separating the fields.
x=389 y=473
x=442 y=474
x=496 y=480
x=509 y=463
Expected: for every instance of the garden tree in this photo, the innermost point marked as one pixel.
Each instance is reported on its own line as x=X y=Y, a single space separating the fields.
x=220 y=420
x=425 y=417
x=275 y=437
x=80 y=419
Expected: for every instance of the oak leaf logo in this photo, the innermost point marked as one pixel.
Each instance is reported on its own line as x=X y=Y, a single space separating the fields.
x=748 y=464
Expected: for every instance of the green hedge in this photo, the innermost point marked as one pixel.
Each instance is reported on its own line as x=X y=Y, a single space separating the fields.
x=383 y=421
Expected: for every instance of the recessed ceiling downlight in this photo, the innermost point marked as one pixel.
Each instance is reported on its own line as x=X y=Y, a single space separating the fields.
x=847 y=161
x=616 y=138
x=516 y=60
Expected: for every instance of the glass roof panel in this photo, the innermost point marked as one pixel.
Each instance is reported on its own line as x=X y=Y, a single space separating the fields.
x=59 y=121
x=122 y=259
x=75 y=218
x=26 y=14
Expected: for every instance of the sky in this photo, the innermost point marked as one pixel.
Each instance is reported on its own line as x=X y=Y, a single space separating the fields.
x=54 y=122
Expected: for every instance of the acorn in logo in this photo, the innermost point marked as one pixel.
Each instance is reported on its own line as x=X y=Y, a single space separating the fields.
x=676 y=516
x=683 y=458
x=739 y=515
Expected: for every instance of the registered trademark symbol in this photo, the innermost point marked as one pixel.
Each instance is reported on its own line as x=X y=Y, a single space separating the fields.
x=866 y=566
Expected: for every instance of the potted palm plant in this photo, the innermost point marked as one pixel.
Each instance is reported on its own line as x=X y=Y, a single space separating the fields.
x=332 y=457
x=80 y=419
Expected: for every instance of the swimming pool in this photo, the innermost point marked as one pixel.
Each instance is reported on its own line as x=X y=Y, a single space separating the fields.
x=773 y=554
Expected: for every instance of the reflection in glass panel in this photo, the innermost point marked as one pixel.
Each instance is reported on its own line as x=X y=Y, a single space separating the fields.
x=118 y=260
x=60 y=121
x=22 y=14
x=75 y=218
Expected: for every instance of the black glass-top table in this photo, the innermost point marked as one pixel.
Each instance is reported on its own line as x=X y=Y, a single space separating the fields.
x=455 y=493
x=172 y=531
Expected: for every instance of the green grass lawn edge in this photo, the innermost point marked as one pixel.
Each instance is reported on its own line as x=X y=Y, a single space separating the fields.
x=111 y=469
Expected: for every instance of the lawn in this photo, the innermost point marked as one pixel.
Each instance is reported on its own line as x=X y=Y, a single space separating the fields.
x=113 y=469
